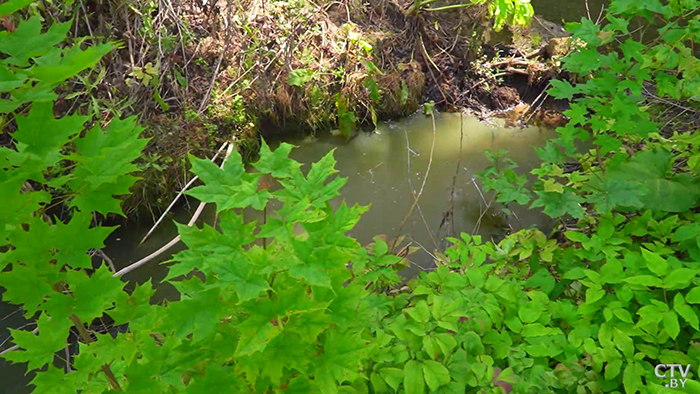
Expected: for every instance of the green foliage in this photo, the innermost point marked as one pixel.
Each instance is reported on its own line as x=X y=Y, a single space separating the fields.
x=512 y=12
x=621 y=290
x=291 y=304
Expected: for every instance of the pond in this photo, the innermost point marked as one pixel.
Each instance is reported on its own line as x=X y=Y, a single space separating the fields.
x=382 y=168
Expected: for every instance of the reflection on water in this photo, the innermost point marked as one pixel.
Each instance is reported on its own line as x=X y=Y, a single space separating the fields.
x=382 y=168
x=378 y=172
x=568 y=10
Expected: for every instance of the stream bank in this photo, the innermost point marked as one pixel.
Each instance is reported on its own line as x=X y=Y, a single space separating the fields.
x=199 y=73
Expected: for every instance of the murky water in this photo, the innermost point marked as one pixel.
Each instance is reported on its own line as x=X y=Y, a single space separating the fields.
x=382 y=168
x=568 y=10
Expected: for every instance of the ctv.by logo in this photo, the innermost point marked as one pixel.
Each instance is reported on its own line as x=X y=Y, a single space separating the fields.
x=673 y=382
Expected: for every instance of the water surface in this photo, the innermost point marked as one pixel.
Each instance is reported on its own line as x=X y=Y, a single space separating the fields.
x=382 y=168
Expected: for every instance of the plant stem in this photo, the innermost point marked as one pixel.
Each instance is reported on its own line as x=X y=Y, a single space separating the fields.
x=85 y=336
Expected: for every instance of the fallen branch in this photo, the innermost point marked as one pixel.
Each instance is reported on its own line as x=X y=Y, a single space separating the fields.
x=187 y=186
x=175 y=240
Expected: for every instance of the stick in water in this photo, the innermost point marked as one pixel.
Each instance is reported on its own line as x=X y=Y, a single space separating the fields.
x=175 y=240
x=187 y=186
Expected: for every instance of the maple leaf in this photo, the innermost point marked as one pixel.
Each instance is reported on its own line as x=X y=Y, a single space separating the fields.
x=27 y=41
x=276 y=163
x=198 y=314
x=238 y=273
x=585 y=30
x=217 y=378
x=39 y=349
x=616 y=193
x=56 y=67
x=55 y=381
x=43 y=133
x=11 y=6
x=73 y=240
x=559 y=204
x=562 y=89
x=82 y=301
x=131 y=308
x=341 y=359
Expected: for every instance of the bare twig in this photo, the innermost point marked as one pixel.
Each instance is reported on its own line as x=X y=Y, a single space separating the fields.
x=454 y=178
x=15 y=347
x=425 y=179
x=100 y=253
x=66 y=350
x=413 y=192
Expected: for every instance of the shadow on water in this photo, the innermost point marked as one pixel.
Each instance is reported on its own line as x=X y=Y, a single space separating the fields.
x=382 y=167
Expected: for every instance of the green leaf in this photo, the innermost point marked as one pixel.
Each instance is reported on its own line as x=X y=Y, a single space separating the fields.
x=27 y=41
x=300 y=76
x=680 y=278
x=53 y=69
x=419 y=313
x=39 y=349
x=12 y=6
x=43 y=134
x=585 y=30
x=645 y=280
x=693 y=296
x=559 y=204
x=612 y=368
x=654 y=262
x=687 y=312
x=393 y=377
x=562 y=89
x=276 y=163
x=670 y=320
x=530 y=312
x=623 y=342
x=632 y=379
x=413 y=381
x=436 y=375
x=378 y=383
x=686 y=232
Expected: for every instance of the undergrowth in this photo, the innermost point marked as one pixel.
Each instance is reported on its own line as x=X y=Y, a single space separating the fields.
x=291 y=304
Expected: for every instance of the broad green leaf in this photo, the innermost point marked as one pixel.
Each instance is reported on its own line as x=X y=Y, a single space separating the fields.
x=393 y=377
x=436 y=375
x=670 y=321
x=300 y=76
x=623 y=342
x=654 y=262
x=420 y=312
x=680 y=278
x=559 y=204
x=612 y=368
x=632 y=379
x=53 y=69
x=530 y=312
x=645 y=280
x=413 y=381
x=693 y=296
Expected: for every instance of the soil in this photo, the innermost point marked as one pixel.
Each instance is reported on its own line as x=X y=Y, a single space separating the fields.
x=257 y=68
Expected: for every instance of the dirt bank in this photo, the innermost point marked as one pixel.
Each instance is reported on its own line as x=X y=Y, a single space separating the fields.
x=198 y=73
